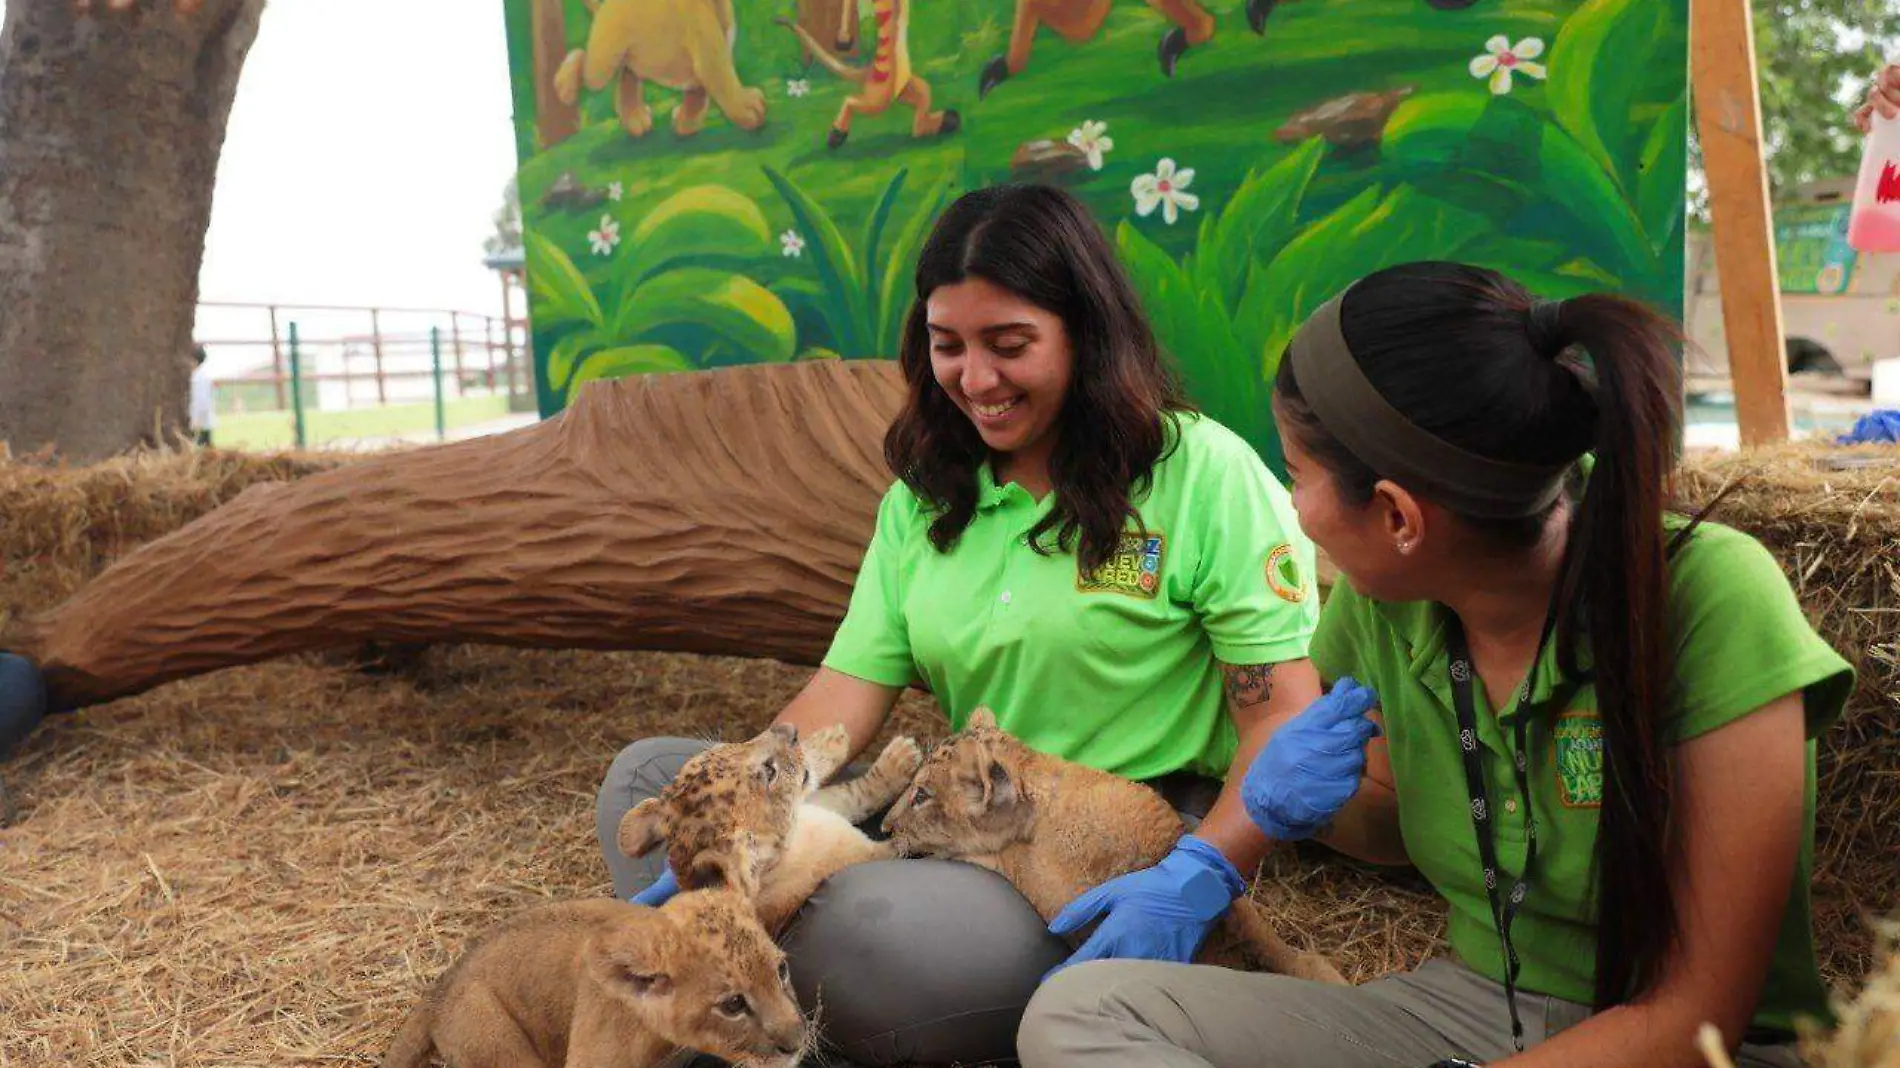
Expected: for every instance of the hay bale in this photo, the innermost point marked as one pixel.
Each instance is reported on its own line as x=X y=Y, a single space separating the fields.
x=1867 y=1034
x=1832 y=517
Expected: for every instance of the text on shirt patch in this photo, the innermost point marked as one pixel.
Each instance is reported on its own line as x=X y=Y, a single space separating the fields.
x=1134 y=570
x=1579 y=755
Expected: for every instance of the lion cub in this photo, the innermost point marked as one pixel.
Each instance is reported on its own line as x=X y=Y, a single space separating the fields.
x=608 y=984
x=751 y=815
x=1055 y=829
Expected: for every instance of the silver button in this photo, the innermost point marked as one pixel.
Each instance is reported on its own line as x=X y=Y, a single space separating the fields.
x=1510 y=804
x=1005 y=597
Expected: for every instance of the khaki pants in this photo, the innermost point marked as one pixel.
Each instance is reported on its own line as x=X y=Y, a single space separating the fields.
x=1124 y=1014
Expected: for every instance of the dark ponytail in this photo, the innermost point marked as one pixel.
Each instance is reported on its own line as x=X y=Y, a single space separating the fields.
x=1473 y=358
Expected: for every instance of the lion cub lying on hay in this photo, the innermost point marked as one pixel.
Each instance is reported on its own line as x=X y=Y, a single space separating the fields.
x=1055 y=828
x=607 y=984
x=752 y=815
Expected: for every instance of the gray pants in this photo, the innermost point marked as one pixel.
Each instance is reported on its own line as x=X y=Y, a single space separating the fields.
x=1124 y=1014
x=909 y=961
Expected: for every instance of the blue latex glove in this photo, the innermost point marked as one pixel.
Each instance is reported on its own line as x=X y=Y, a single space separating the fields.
x=1311 y=766
x=1158 y=913
x=664 y=887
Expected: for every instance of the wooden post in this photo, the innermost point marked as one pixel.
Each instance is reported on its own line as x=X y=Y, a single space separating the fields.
x=376 y=345
x=277 y=360
x=455 y=341
x=1728 y=117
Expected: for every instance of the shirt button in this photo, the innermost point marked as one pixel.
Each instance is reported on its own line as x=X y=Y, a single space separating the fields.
x=1005 y=597
x=1510 y=804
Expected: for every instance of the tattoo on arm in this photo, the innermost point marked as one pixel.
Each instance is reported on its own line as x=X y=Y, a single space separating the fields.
x=1248 y=684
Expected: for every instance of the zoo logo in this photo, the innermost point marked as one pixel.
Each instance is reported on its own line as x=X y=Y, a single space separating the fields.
x=1134 y=570
x=1579 y=757
x=1283 y=575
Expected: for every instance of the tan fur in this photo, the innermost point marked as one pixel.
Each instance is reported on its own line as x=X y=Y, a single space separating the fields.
x=1055 y=828
x=752 y=815
x=607 y=984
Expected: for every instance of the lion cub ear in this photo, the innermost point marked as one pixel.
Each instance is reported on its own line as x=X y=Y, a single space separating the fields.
x=634 y=960
x=640 y=828
x=981 y=719
x=722 y=871
x=999 y=787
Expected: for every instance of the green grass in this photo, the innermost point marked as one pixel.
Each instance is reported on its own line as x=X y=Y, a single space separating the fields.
x=262 y=431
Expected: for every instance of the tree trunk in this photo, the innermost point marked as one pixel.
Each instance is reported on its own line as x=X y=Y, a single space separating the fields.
x=717 y=512
x=110 y=127
x=554 y=121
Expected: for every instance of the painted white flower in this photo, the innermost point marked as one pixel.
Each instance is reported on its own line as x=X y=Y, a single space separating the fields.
x=797 y=87
x=1501 y=59
x=1092 y=138
x=793 y=243
x=615 y=190
x=606 y=237
x=1167 y=188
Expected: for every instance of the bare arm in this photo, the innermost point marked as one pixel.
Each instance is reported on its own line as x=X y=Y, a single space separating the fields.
x=1259 y=698
x=834 y=697
x=1740 y=805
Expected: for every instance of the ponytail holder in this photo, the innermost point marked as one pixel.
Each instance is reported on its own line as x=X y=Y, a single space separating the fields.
x=1544 y=325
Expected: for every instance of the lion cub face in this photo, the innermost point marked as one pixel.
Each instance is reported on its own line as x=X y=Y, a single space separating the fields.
x=967 y=799
x=727 y=816
x=707 y=977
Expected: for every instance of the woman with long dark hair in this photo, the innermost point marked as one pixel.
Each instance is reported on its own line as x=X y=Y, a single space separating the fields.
x=1599 y=716
x=1117 y=577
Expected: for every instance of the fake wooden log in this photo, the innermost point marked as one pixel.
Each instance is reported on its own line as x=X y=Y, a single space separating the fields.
x=721 y=512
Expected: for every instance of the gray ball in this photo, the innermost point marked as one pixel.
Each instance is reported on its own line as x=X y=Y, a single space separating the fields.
x=919 y=962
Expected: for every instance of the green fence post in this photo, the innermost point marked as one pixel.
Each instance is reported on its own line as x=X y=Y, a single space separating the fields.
x=435 y=358
x=296 y=384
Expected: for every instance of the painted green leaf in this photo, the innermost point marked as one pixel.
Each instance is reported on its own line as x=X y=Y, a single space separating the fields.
x=1664 y=167
x=1372 y=231
x=874 y=235
x=837 y=271
x=627 y=360
x=1194 y=330
x=898 y=282
x=562 y=290
x=1606 y=226
x=699 y=221
x=1259 y=217
x=568 y=352
x=734 y=309
x=1591 y=88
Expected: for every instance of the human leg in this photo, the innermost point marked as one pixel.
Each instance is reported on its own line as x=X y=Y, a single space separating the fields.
x=640 y=771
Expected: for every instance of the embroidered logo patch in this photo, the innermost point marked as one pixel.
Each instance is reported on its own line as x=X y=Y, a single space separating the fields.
x=1283 y=575
x=1134 y=570
x=1579 y=754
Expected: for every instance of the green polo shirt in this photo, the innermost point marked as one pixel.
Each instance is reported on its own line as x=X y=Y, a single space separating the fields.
x=1741 y=642
x=1118 y=671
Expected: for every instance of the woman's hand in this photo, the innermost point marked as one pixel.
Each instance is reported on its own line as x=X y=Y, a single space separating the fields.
x=1311 y=766
x=1158 y=913
x=1883 y=97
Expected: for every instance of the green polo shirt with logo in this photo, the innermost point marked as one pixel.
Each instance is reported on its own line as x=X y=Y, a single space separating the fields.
x=1740 y=642
x=1117 y=670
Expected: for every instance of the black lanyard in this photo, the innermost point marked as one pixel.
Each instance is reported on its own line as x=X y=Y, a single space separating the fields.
x=1502 y=911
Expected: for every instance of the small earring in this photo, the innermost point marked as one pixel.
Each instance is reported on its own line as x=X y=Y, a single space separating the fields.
x=1405 y=547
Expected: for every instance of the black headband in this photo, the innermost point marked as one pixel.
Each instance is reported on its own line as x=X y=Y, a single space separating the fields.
x=1352 y=410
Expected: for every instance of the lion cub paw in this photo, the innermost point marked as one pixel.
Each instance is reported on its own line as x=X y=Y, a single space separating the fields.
x=826 y=749
x=900 y=759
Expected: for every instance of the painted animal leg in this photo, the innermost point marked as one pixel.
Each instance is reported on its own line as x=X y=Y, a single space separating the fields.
x=1192 y=26
x=927 y=123
x=841 y=127
x=743 y=105
x=631 y=105
x=1070 y=20
x=870 y=793
x=690 y=116
x=567 y=79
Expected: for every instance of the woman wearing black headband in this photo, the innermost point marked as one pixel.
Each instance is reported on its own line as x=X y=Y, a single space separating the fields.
x=1599 y=717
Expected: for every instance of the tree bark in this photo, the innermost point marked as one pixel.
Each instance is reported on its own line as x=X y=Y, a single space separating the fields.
x=111 y=123
x=554 y=121
x=719 y=512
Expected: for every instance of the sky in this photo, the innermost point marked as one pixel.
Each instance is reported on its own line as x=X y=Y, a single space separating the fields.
x=337 y=187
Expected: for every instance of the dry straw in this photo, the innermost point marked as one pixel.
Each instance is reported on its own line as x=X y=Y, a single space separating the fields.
x=265 y=866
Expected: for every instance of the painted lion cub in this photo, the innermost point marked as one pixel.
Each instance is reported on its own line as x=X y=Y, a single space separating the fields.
x=608 y=984
x=752 y=815
x=1055 y=828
